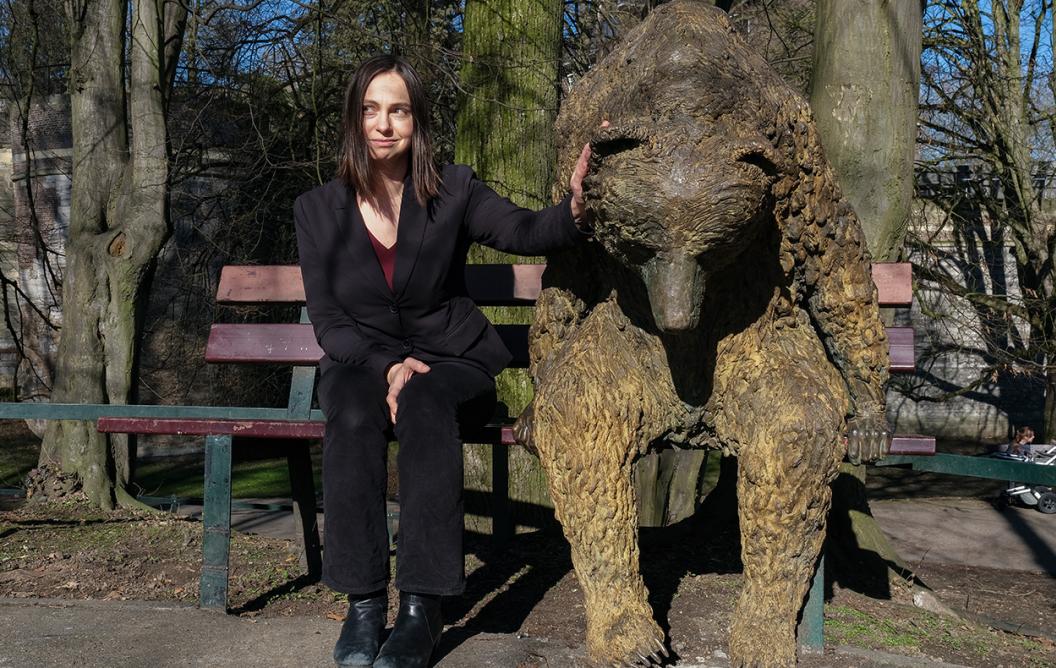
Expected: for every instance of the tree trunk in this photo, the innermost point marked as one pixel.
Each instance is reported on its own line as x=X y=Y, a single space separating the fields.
x=118 y=222
x=512 y=51
x=1046 y=433
x=864 y=93
x=668 y=486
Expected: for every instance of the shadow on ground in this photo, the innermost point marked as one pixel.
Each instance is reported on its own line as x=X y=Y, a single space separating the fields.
x=512 y=582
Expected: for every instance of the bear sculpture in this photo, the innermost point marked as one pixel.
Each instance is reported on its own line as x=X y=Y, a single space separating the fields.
x=725 y=302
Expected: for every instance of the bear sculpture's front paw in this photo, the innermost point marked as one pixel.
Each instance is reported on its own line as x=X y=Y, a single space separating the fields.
x=868 y=437
x=630 y=640
x=522 y=428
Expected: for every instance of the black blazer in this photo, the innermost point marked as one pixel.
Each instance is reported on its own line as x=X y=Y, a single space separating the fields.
x=428 y=314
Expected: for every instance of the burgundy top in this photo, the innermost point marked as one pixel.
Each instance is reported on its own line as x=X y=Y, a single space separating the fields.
x=386 y=257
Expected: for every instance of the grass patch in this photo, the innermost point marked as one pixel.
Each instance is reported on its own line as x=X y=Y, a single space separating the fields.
x=846 y=625
x=185 y=477
x=20 y=449
x=166 y=476
x=916 y=632
x=710 y=474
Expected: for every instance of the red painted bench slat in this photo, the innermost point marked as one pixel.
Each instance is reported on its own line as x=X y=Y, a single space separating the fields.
x=296 y=429
x=291 y=343
x=894 y=283
x=295 y=344
x=905 y=444
x=270 y=343
x=266 y=284
x=292 y=429
x=900 y=348
x=488 y=284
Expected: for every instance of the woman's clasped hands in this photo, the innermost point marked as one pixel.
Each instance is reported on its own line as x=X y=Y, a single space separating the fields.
x=397 y=376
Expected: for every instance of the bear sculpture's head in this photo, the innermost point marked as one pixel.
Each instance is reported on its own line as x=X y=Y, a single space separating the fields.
x=682 y=179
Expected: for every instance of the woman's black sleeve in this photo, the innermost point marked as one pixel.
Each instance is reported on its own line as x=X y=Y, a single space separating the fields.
x=496 y=222
x=337 y=333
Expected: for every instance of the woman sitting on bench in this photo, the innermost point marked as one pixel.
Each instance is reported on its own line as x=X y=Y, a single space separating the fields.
x=382 y=251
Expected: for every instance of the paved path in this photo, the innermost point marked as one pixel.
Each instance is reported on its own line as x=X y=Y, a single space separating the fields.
x=131 y=634
x=36 y=632
x=971 y=532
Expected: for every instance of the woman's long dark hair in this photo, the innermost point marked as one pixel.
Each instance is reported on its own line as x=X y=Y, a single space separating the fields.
x=353 y=163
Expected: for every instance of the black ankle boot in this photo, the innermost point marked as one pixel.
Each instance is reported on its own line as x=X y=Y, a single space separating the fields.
x=414 y=635
x=361 y=633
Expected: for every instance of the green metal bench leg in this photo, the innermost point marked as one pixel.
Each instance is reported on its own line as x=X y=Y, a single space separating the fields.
x=812 y=626
x=216 y=542
x=302 y=484
x=501 y=520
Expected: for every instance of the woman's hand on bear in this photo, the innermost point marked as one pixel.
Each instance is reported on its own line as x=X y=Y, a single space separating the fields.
x=579 y=172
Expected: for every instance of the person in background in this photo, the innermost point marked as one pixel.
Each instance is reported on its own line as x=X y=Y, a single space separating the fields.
x=1020 y=444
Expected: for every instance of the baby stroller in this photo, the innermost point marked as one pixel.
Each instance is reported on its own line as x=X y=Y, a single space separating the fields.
x=1037 y=496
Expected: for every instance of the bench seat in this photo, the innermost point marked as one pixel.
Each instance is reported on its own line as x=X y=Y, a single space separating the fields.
x=292 y=429
x=496 y=433
x=295 y=344
x=1027 y=473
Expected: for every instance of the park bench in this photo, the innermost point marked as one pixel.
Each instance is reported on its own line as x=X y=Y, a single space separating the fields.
x=1027 y=473
x=294 y=344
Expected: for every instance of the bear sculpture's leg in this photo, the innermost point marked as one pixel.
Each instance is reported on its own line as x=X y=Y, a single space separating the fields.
x=789 y=426
x=595 y=503
x=588 y=427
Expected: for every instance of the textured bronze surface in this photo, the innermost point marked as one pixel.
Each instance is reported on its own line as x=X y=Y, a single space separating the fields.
x=726 y=302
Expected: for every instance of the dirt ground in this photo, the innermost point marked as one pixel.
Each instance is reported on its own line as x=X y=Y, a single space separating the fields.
x=1004 y=617
x=693 y=575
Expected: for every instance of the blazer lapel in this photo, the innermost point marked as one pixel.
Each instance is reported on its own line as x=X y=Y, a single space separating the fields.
x=354 y=232
x=409 y=234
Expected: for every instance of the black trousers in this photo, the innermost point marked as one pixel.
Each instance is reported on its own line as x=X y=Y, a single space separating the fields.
x=431 y=410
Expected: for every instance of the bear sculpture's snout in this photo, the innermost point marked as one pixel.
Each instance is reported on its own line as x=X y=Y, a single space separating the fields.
x=675 y=283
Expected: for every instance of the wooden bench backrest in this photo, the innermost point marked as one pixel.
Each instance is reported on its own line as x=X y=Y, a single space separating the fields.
x=488 y=284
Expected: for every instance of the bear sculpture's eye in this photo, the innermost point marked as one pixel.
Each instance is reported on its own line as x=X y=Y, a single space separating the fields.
x=633 y=251
x=761 y=161
x=614 y=145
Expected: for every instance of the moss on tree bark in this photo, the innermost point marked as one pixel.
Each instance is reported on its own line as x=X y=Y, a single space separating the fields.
x=512 y=51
